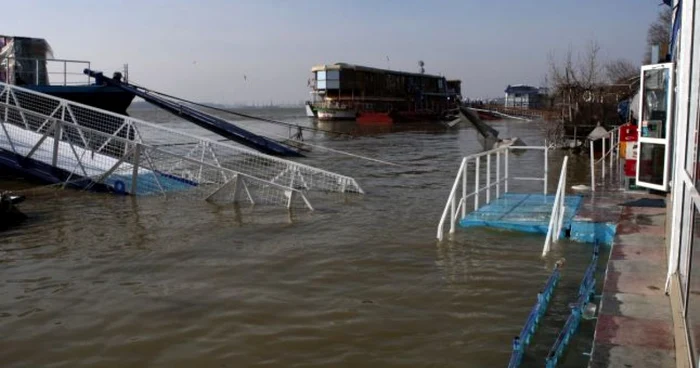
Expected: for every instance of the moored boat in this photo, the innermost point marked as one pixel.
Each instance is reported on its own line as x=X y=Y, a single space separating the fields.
x=352 y=92
x=28 y=62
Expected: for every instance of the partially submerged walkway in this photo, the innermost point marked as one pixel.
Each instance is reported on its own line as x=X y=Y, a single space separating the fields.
x=521 y=212
x=635 y=325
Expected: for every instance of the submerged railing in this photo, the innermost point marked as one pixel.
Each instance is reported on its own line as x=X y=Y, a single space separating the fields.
x=521 y=341
x=93 y=147
x=556 y=220
x=585 y=291
x=500 y=172
x=610 y=155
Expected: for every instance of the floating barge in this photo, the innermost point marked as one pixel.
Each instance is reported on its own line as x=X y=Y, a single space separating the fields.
x=370 y=95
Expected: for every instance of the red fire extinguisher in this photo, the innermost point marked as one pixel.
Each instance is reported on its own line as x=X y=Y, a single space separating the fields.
x=629 y=147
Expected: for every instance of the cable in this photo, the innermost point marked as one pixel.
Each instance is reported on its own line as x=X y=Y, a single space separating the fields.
x=299 y=127
x=240 y=114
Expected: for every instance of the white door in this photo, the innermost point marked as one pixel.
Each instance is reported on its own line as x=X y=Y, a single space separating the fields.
x=655 y=119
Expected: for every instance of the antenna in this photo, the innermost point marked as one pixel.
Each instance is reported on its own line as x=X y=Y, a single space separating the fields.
x=421 y=65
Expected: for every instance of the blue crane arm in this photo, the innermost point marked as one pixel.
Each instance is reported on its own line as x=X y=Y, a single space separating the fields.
x=204 y=120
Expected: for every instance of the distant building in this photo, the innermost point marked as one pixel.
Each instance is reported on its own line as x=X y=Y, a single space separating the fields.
x=524 y=96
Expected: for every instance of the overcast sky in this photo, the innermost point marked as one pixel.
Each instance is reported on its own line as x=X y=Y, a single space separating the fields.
x=202 y=49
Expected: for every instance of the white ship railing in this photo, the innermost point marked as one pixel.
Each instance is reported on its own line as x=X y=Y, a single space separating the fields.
x=58 y=72
x=609 y=157
x=456 y=206
x=556 y=220
x=145 y=158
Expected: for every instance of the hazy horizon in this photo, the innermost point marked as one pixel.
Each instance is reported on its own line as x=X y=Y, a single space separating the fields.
x=254 y=52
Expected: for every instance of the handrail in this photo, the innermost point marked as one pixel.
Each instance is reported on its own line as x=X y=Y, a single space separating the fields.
x=450 y=200
x=556 y=219
x=521 y=341
x=612 y=154
x=501 y=155
x=32 y=75
x=584 y=294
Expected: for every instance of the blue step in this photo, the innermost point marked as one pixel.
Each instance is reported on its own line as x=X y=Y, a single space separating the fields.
x=528 y=213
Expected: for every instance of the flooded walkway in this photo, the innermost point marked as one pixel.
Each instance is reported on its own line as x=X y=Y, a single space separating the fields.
x=634 y=326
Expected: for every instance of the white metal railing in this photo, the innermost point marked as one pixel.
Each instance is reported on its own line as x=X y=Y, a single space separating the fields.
x=40 y=71
x=496 y=175
x=145 y=158
x=556 y=220
x=609 y=156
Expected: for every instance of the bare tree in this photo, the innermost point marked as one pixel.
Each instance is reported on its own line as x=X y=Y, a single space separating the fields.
x=585 y=74
x=589 y=65
x=621 y=71
x=659 y=32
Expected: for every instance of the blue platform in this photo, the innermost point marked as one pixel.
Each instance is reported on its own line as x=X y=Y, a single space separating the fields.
x=522 y=212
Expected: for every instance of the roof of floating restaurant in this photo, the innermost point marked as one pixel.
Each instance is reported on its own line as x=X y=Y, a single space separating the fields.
x=339 y=66
x=522 y=88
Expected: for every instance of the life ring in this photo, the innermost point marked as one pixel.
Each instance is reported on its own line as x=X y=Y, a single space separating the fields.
x=588 y=96
x=119 y=187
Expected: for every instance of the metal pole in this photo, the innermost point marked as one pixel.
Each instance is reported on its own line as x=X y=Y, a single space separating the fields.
x=506 y=170
x=464 y=188
x=488 y=178
x=603 y=159
x=56 y=139
x=498 y=174
x=546 y=168
x=64 y=74
x=135 y=171
x=36 y=72
x=452 y=215
x=612 y=147
x=476 y=184
x=592 y=167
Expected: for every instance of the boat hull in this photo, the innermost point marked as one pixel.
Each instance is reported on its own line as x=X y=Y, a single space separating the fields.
x=99 y=96
x=310 y=111
x=332 y=114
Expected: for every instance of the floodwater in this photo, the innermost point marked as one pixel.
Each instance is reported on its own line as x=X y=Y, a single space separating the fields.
x=94 y=280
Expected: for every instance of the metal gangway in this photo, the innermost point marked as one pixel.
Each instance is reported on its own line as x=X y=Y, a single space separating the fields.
x=66 y=143
x=204 y=120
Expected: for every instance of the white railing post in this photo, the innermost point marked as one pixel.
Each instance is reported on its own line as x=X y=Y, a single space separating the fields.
x=498 y=174
x=465 y=163
x=506 y=170
x=617 y=152
x=488 y=178
x=546 y=168
x=476 y=184
x=612 y=147
x=592 y=157
x=452 y=215
x=556 y=218
x=603 y=158
x=56 y=139
x=135 y=168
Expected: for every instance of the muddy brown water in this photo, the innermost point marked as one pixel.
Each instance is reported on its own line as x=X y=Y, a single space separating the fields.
x=94 y=280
